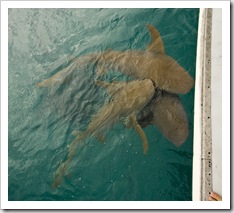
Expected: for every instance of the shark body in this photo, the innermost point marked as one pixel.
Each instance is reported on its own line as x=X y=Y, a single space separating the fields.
x=129 y=98
x=153 y=64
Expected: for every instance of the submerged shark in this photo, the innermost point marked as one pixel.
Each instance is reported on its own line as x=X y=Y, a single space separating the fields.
x=153 y=63
x=128 y=99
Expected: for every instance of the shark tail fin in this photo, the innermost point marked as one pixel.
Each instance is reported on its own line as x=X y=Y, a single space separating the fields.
x=157 y=43
x=63 y=167
x=61 y=77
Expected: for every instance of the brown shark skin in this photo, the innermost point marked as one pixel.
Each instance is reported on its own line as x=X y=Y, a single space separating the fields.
x=166 y=112
x=171 y=119
x=163 y=70
x=129 y=98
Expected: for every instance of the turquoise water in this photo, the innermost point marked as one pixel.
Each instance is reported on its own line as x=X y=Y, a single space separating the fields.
x=41 y=42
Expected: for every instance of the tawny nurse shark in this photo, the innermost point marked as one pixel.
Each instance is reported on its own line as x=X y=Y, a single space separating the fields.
x=128 y=99
x=153 y=63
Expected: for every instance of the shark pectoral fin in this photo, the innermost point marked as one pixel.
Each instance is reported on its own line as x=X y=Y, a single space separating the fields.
x=143 y=138
x=133 y=122
x=157 y=43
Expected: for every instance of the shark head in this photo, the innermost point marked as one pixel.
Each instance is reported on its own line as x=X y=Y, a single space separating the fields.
x=170 y=76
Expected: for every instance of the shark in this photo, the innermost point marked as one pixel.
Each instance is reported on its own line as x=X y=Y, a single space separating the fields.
x=152 y=63
x=127 y=100
x=167 y=114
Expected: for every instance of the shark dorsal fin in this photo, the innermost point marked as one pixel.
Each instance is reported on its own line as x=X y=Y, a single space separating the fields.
x=157 y=44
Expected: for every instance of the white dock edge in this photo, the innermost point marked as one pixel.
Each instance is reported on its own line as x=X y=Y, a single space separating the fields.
x=216 y=99
x=207 y=150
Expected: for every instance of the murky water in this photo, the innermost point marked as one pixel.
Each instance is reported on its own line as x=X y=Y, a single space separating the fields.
x=41 y=120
